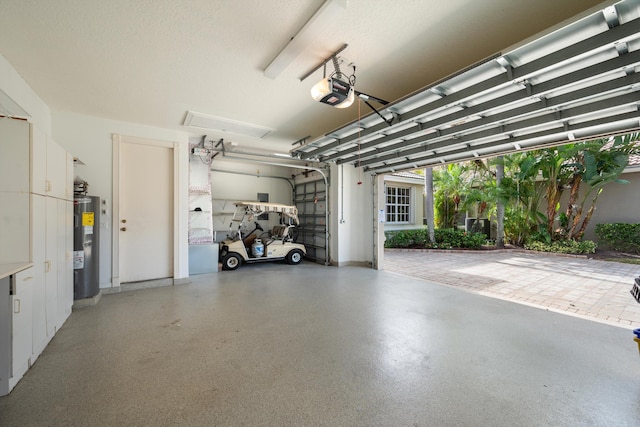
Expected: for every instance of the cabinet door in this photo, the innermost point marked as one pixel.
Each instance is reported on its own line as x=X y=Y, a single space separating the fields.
x=38 y=161
x=56 y=170
x=51 y=266
x=22 y=335
x=14 y=227
x=14 y=155
x=64 y=261
x=70 y=177
x=39 y=307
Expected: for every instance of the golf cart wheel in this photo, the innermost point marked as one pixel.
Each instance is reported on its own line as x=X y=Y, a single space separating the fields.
x=231 y=261
x=294 y=257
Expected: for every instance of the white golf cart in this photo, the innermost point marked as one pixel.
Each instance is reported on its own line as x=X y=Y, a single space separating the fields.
x=248 y=242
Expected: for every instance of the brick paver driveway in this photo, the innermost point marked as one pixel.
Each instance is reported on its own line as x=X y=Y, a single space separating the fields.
x=592 y=289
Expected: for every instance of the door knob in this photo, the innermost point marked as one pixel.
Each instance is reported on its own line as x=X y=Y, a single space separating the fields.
x=123 y=229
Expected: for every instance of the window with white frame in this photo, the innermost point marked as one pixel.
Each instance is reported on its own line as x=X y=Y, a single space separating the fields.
x=398 y=204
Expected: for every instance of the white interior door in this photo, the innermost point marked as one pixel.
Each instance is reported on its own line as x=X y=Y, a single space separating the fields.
x=146 y=212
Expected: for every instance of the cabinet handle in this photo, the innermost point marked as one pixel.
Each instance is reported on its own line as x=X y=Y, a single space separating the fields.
x=16 y=306
x=47 y=266
x=47 y=185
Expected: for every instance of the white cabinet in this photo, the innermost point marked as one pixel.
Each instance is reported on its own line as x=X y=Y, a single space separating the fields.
x=22 y=317
x=50 y=171
x=64 y=262
x=69 y=183
x=52 y=257
x=38 y=161
x=36 y=226
x=14 y=173
x=14 y=227
x=39 y=296
x=14 y=191
x=5 y=335
x=51 y=264
x=56 y=170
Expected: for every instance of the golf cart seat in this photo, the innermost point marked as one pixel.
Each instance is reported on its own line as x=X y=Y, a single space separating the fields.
x=279 y=232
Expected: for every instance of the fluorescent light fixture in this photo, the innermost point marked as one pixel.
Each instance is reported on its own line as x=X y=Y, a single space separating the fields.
x=312 y=30
x=288 y=156
x=205 y=121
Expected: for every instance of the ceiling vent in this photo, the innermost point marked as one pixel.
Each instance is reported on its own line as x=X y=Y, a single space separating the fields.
x=205 y=121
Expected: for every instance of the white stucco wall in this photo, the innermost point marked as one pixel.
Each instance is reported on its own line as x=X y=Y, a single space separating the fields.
x=352 y=216
x=90 y=139
x=617 y=203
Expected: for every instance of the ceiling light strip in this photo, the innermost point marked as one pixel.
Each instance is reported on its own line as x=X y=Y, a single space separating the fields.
x=314 y=29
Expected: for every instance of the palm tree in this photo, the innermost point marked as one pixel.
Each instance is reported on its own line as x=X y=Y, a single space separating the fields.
x=450 y=187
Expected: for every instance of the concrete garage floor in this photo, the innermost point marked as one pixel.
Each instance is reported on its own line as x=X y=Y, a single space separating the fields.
x=312 y=345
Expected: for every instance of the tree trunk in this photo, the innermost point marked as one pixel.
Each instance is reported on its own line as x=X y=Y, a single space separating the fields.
x=587 y=217
x=553 y=198
x=573 y=214
x=500 y=205
x=428 y=203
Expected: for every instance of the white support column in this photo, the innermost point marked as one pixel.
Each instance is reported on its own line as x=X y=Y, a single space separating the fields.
x=378 y=221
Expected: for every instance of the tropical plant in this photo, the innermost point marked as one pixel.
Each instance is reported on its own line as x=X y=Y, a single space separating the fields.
x=532 y=187
x=517 y=191
x=596 y=163
x=599 y=164
x=450 y=186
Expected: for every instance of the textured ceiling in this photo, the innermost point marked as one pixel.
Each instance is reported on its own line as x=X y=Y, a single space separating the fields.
x=149 y=61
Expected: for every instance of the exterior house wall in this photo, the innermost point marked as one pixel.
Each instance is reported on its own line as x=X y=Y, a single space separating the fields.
x=416 y=184
x=617 y=203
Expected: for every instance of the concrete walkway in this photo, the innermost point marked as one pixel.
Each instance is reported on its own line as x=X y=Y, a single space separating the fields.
x=581 y=287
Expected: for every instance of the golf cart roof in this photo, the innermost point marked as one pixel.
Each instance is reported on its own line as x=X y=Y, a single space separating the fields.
x=259 y=208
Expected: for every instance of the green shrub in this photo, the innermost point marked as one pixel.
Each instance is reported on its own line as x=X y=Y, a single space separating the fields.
x=563 y=246
x=406 y=238
x=620 y=236
x=445 y=238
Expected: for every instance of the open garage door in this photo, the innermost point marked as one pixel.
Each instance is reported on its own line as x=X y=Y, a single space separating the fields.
x=311 y=201
x=577 y=82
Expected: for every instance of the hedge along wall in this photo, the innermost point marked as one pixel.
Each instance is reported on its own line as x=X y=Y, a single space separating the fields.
x=622 y=237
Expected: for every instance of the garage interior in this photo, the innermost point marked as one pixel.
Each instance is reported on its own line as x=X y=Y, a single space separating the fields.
x=273 y=344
